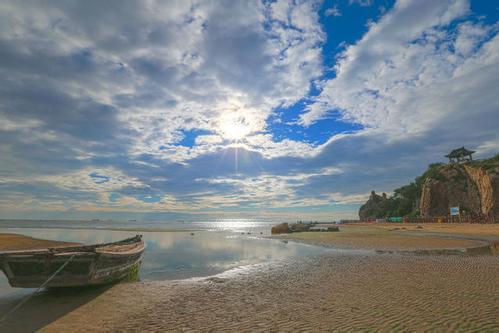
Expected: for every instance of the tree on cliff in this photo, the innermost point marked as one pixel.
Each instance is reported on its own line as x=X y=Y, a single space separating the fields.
x=473 y=186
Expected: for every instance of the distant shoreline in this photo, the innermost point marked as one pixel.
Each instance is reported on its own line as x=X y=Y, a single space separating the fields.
x=406 y=238
x=104 y=228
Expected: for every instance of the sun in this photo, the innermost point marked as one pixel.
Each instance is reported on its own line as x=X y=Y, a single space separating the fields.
x=235 y=128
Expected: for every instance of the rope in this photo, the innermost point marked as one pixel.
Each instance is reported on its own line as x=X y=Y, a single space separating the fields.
x=27 y=298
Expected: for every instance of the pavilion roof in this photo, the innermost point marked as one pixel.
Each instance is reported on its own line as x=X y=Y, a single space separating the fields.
x=459 y=152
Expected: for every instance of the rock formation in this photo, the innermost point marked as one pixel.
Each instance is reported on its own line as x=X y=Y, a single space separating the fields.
x=453 y=188
x=374 y=207
x=473 y=186
x=487 y=183
x=282 y=228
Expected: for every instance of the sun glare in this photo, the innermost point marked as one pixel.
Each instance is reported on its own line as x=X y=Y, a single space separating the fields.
x=234 y=128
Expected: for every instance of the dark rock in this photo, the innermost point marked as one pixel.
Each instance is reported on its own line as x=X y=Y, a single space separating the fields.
x=299 y=227
x=282 y=228
x=374 y=207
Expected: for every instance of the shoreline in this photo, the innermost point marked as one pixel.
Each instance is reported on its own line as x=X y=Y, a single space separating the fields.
x=403 y=238
x=107 y=228
x=363 y=236
x=342 y=290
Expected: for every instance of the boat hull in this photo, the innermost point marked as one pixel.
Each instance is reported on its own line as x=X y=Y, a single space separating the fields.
x=102 y=265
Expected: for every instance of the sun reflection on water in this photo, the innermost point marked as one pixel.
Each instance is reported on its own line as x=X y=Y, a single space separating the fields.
x=222 y=245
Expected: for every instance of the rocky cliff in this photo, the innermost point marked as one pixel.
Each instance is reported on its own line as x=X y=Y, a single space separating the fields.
x=487 y=185
x=453 y=188
x=374 y=207
x=473 y=186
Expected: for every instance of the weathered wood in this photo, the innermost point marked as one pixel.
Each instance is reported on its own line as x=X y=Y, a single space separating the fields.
x=91 y=264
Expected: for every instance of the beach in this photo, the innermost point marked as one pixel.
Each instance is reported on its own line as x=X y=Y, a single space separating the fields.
x=403 y=237
x=344 y=293
x=14 y=242
x=354 y=289
x=249 y=166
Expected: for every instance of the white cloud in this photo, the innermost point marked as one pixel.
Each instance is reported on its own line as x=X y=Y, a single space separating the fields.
x=488 y=147
x=362 y=3
x=409 y=73
x=332 y=11
x=124 y=87
x=264 y=144
x=88 y=180
x=208 y=139
x=269 y=190
x=9 y=125
x=167 y=67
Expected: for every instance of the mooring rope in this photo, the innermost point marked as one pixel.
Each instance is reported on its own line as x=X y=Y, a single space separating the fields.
x=27 y=298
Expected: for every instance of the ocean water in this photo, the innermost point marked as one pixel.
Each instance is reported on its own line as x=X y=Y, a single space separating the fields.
x=174 y=250
x=234 y=225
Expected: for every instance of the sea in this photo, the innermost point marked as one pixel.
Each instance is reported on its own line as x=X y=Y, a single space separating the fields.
x=174 y=249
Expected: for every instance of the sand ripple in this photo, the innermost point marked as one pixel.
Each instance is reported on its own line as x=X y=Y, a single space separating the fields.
x=341 y=293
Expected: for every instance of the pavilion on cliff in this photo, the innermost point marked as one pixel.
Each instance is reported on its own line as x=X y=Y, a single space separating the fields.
x=460 y=155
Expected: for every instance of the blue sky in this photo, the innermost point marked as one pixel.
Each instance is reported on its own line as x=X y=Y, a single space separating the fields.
x=217 y=109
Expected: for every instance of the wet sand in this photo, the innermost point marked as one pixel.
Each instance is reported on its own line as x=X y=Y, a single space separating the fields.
x=464 y=229
x=344 y=291
x=402 y=236
x=334 y=293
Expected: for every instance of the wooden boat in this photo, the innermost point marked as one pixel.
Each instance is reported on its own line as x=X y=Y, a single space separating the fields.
x=72 y=266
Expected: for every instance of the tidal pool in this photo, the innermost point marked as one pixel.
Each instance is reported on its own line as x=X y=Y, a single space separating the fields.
x=183 y=254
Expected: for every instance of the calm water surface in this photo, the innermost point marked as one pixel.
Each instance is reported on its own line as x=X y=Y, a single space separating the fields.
x=213 y=247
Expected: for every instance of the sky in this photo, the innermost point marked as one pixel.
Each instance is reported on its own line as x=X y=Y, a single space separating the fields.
x=165 y=110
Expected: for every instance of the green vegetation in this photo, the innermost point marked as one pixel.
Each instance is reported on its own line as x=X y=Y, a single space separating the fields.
x=487 y=164
x=404 y=200
x=133 y=273
x=434 y=171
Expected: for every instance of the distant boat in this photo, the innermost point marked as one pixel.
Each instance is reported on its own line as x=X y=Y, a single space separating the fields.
x=72 y=266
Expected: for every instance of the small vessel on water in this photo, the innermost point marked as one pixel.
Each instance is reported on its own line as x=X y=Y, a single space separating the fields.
x=72 y=266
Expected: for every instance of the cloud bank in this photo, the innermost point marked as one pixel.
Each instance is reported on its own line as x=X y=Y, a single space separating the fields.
x=172 y=107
